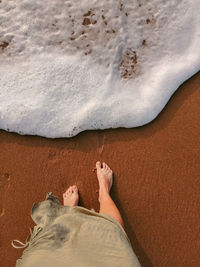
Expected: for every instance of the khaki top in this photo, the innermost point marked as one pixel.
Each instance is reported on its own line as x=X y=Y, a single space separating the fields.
x=73 y=236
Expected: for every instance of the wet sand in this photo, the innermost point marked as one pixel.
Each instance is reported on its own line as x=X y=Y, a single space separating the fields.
x=156 y=180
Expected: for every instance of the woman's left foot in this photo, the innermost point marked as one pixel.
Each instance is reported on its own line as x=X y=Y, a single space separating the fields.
x=71 y=197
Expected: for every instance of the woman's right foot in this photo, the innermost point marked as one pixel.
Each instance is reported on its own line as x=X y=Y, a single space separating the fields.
x=104 y=176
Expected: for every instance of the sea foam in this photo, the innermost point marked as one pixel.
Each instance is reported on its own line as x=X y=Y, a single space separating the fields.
x=68 y=66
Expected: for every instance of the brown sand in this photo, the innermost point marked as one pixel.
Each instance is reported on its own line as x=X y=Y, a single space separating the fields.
x=156 y=183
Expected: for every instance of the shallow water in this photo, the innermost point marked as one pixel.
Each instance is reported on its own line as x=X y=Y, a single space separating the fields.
x=66 y=68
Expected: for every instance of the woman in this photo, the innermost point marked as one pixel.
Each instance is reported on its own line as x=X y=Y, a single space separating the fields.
x=73 y=236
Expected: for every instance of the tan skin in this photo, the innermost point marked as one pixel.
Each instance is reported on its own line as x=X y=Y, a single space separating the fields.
x=107 y=205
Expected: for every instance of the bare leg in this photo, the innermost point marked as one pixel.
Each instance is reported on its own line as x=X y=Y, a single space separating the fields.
x=107 y=205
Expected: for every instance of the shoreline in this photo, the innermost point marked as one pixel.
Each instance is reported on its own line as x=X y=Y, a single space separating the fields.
x=156 y=179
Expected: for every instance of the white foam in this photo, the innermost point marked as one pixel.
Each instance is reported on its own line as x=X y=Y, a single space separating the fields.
x=68 y=66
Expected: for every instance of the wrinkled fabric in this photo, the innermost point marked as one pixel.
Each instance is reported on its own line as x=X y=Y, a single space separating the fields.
x=75 y=237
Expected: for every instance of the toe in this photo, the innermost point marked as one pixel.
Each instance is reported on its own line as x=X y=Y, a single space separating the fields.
x=69 y=191
x=75 y=189
x=109 y=169
x=98 y=165
x=104 y=165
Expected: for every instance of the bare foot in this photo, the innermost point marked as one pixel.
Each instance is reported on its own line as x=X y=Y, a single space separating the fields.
x=71 y=197
x=104 y=176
